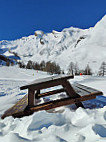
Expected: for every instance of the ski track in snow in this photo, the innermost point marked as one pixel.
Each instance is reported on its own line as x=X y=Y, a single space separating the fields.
x=65 y=125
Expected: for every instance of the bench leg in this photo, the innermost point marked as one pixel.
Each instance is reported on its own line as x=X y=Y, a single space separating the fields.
x=36 y=94
x=31 y=97
x=70 y=92
x=79 y=105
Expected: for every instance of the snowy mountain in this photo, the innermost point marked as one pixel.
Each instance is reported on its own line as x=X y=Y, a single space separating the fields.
x=81 y=46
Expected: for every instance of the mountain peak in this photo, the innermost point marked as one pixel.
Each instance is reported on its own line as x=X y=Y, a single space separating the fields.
x=69 y=45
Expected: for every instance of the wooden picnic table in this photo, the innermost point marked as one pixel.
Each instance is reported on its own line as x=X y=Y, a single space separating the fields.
x=76 y=93
x=36 y=86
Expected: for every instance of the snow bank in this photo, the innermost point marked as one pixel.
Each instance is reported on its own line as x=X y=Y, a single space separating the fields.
x=70 y=126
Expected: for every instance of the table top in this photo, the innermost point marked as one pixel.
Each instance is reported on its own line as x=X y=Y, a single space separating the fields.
x=47 y=79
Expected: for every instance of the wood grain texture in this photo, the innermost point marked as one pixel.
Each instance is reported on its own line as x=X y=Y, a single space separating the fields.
x=18 y=108
x=54 y=81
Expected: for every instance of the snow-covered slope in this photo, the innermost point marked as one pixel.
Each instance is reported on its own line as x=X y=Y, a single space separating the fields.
x=66 y=125
x=71 y=44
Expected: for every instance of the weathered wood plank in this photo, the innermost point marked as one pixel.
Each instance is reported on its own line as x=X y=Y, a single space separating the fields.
x=85 y=88
x=80 y=91
x=31 y=97
x=18 y=108
x=61 y=102
x=69 y=89
x=71 y=92
x=47 y=82
x=51 y=93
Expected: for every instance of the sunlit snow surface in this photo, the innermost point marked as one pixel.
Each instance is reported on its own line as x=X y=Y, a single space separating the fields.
x=64 y=124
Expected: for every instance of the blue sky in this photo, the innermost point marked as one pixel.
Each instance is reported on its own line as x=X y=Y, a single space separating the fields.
x=22 y=17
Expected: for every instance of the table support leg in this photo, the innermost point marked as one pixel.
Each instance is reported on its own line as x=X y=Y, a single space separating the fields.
x=36 y=94
x=70 y=92
x=31 y=97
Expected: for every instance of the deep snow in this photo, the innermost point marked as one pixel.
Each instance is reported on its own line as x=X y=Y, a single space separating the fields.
x=67 y=124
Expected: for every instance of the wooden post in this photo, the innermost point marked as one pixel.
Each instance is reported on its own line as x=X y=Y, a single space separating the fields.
x=69 y=89
x=31 y=97
x=36 y=94
x=70 y=92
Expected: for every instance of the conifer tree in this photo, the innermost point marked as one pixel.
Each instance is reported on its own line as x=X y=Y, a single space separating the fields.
x=29 y=65
x=71 y=68
x=76 y=68
x=102 y=70
x=88 y=70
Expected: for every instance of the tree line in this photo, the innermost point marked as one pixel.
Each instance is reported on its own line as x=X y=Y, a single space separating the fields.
x=74 y=69
x=54 y=68
x=50 y=67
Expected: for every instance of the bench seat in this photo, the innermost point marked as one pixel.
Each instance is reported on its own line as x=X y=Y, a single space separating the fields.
x=85 y=90
x=18 y=109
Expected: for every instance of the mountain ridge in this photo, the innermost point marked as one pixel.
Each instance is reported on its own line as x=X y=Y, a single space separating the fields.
x=81 y=46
